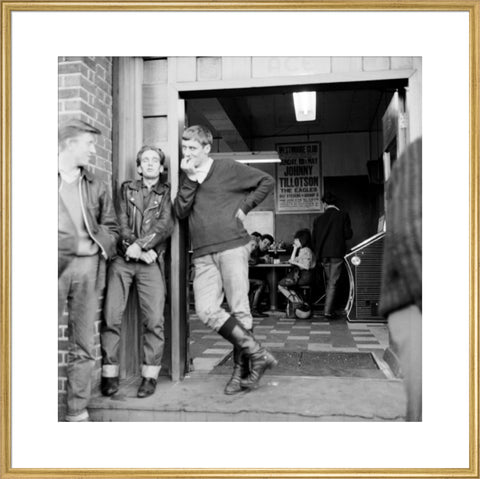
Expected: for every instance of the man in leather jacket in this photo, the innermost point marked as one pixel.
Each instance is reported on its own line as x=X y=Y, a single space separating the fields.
x=87 y=235
x=146 y=222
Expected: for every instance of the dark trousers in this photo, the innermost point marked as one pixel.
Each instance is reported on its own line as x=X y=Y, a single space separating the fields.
x=151 y=300
x=257 y=286
x=332 y=268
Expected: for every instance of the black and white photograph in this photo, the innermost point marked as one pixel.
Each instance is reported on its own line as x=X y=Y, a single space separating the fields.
x=239 y=239
x=266 y=264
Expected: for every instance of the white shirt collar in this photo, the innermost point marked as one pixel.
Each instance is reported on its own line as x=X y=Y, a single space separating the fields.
x=202 y=171
x=71 y=176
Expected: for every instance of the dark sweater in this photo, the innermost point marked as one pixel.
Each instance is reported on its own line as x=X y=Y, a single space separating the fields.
x=402 y=258
x=212 y=205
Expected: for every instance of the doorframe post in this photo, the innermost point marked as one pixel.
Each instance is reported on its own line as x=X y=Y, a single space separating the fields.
x=178 y=260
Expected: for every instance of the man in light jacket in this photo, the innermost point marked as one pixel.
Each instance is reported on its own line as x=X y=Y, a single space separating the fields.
x=87 y=232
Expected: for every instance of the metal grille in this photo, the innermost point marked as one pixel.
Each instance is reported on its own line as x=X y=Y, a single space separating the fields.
x=367 y=282
x=367 y=279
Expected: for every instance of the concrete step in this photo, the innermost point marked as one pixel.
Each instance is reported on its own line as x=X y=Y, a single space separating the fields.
x=200 y=397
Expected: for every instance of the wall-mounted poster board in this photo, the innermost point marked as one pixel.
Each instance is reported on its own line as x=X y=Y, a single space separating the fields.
x=299 y=178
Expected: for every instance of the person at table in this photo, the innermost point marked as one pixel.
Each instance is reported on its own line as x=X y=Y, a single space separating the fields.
x=330 y=231
x=257 y=277
x=260 y=253
x=303 y=262
x=216 y=196
x=254 y=240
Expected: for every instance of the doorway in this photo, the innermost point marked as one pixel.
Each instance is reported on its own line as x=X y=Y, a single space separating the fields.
x=348 y=126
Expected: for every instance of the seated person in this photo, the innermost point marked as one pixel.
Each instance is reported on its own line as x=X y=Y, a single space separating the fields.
x=303 y=261
x=258 y=254
x=254 y=240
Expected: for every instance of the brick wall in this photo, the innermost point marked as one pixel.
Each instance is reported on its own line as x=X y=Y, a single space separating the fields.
x=85 y=92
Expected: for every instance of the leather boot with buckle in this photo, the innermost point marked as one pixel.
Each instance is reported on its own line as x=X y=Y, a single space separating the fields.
x=259 y=358
x=240 y=371
x=260 y=361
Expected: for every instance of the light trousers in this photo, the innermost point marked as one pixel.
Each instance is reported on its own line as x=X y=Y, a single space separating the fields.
x=221 y=275
x=77 y=287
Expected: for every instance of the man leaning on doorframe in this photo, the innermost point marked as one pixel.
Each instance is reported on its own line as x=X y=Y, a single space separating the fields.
x=146 y=223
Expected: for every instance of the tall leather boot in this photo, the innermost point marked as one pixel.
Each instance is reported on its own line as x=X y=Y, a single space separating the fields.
x=240 y=371
x=260 y=359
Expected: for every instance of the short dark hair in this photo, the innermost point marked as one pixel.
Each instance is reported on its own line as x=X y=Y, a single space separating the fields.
x=198 y=133
x=145 y=148
x=267 y=237
x=304 y=237
x=256 y=234
x=330 y=198
x=73 y=128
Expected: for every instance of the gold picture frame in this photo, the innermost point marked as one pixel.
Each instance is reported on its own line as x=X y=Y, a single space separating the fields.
x=472 y=7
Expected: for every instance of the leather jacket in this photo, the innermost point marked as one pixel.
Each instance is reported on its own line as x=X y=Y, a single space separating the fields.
x=99 y=217
x=149 y=227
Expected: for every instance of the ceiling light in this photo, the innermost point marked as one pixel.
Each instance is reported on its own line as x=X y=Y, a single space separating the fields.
x=248 y=156
x=305 y=103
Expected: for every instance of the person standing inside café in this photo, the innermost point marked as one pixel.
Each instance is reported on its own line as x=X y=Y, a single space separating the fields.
x=216 y=196
x=146 y=223
x=330 y=231
x=87 y=234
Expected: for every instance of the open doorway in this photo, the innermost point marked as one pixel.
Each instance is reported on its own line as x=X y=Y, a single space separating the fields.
x=349 y=132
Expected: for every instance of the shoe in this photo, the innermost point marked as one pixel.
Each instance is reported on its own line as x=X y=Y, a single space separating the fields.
x=259 y=363
x=258 y=314
x=330 y=316
x=259 y=358
x=109 y=386
x=147 y=388
x=80 y=417
x=240 y=371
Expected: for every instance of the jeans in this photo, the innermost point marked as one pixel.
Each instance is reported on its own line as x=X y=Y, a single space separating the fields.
x=77 y=287
x=151 y=301
x=332 y=268
x=218 y=275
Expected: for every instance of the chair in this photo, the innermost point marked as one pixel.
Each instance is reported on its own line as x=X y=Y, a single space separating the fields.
x=305 y=292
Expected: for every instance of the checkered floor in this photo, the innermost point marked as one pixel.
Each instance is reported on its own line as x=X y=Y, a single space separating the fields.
x=207 y=349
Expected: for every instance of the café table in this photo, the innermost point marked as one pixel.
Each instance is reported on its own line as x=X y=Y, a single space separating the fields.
x=272 y=274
